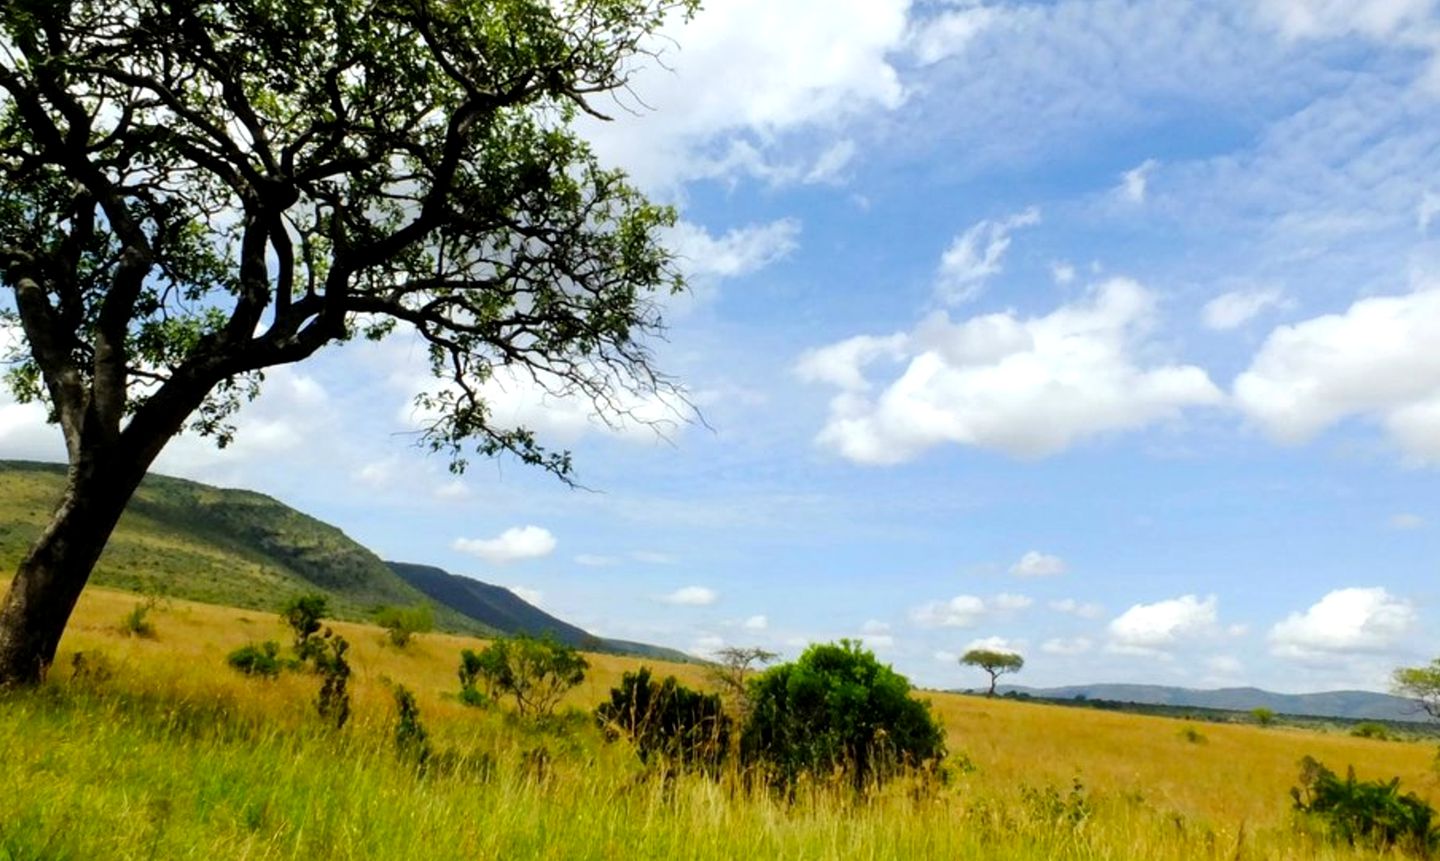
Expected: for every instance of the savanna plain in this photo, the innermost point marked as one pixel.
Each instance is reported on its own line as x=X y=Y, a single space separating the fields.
x=152 y=747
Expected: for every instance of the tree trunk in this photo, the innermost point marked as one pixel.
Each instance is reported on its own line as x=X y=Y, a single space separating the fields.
x=53 y=573
x=994 y=677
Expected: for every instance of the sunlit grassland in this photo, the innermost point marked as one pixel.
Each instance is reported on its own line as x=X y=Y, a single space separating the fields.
x=177 y=756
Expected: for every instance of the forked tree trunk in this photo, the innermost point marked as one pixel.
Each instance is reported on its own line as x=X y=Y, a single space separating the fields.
x=53 y=573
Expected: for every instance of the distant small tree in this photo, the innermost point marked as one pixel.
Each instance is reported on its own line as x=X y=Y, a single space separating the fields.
x=732 y=670
x=304 y=614
x=994 y=662
x=1263 y=716
x=536 y=673
x=401 y=624
x=1421 y=684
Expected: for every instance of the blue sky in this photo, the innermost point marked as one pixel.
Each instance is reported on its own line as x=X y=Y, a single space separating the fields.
x=1104 y=331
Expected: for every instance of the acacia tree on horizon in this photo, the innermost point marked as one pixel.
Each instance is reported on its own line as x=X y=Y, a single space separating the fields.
x=994 y=662
x=192 y=191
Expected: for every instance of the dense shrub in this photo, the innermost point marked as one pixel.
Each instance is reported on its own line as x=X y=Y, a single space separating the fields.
x=1263 y=716
x=666 y=720
x=471 y=676
x=837 y=708
x=535 y=673
x=257 y=660
x=1364 y=811
x=401 y=624
x=412 y=741
x=136 y=623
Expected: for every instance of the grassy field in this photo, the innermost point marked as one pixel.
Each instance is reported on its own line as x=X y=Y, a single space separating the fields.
x=177 y=756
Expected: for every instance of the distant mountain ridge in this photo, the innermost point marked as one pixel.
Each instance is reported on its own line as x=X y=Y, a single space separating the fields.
x=500 y=608
x=1350 y=705
x=184 y=539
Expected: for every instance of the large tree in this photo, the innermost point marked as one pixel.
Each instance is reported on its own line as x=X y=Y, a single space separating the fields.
x=192 y=191
x=994 y=662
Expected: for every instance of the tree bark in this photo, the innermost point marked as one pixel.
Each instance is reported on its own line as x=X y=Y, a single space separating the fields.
x=51 y=576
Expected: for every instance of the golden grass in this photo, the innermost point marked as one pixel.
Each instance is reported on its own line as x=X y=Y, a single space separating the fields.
x=1151 y=792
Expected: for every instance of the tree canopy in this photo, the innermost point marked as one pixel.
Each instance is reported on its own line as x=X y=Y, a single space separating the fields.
x=196 y=191
x=1421 y=684
x=993 y=661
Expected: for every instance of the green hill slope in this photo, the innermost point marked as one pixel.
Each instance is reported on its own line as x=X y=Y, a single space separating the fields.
x=500 y=608
x=235 y=547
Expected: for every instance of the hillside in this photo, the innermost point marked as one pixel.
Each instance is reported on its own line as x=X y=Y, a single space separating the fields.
x=502 y=609
x=1351 y=705
x=182 y=539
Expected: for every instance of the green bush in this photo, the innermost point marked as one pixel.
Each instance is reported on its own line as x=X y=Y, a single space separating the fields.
x=471 y=674
x=328 y=653
x=401 y=624
x=257 y=660
x=412 y=741
x=666 y=720
x=1370 y=729
x=837 y=708
x=535 y=673
x=1364 y=811
x=137 y=623
x=1263 y=716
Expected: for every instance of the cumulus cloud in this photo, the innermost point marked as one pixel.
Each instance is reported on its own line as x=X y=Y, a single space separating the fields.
x=1375 y=360
x=1157 y=628
x=1344 y=621
x=1029 y=387
x=1084 y=610
x=1037 y=564
x=996 y=644
x=692 y=596
x=801 y=65
x=1238 y=307
x=513 y=545
x=976 y=256
x=755 y=623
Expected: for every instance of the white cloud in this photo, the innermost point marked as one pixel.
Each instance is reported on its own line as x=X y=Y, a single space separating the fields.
x=996 y=644
x=1037 y=564
x=453 y=490
x=1238 y=307
x=1134 y=182
x=1027 y=387
x=1064 y=646
x=514 y=544
x=875 y=626
x=736 y=84
x=1157 y=628
x=706 y=645
x=1426 y=211
x=1063 y=273
x=830 y=165
x=950 y=33
x=975 y=256
x=737 y=252
x=692 y=596
x=755 y=623
x=1344 y=621
x=377 y=474
x=962 y=611
x=1375 y=360
x=1009 y=601
x=1077 y=608
x=1406 y=520
x=528 y=595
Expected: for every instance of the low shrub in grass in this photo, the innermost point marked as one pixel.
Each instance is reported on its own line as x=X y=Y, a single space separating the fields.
x=472 y=675
x=333 y=701
x=534 y=673
x=1370 y=729
x=666 y=720
x=137 y=622
x=1192 y=735
x=836 y=709
x=401 y=624
x=261 y=659
x=1370 y=812
x=304 y=614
